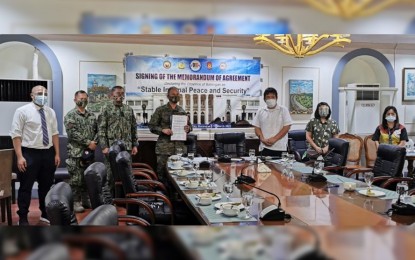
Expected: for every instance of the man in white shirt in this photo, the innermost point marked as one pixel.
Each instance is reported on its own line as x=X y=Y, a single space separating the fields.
x=272 y=124
x=36 y=143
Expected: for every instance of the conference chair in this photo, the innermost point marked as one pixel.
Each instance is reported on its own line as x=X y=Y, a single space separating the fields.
x=162 y=206
x=370 y=151
x=297 y=144
x=191 y=144
x=61 y=173
x=355 y=151
x=389 y=164
x=99 y=194
x=335 y=160
x=230 y=144
x=6 y=161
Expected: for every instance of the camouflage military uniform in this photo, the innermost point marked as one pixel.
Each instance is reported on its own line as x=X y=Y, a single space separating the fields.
x=81 y=130
x=160 y=120
x=116 y=123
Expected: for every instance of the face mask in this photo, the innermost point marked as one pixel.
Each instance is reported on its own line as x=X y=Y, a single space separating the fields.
x=271 y=102
x=82 y=103
x=390 y=118
x=118 y=100
x=323 y=112
x=174 y=99
x=41 y=100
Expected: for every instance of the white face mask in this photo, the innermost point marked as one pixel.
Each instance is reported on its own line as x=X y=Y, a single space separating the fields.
x=390 y=118
x=41 y=100
x=271 y=102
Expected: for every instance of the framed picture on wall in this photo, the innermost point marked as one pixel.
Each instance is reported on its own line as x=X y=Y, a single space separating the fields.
x=300 y=96
x=408 y=84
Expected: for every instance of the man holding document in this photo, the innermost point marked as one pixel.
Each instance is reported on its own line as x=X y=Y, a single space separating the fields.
x=171 y=123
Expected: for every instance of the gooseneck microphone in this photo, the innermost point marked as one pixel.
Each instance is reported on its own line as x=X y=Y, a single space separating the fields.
x=313 y=177
x=271 y=212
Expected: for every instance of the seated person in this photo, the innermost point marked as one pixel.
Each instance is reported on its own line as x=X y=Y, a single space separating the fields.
x=390 y=131
x=319 y=130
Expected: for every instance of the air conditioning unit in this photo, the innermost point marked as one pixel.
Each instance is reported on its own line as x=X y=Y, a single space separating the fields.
x=15 y=93
x=360 y=106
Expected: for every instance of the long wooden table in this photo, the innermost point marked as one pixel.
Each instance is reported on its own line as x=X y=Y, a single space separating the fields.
x=307 y=203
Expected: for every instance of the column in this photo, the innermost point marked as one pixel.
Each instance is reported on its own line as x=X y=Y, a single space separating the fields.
x=206 y=109
x=191 y=108
x=199 y=108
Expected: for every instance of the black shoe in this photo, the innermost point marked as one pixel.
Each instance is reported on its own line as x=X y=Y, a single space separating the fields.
x=23 y=221
x=44 y=218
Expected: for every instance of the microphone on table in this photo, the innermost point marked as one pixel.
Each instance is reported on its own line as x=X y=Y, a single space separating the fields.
x=313 y=177
x=272 y=212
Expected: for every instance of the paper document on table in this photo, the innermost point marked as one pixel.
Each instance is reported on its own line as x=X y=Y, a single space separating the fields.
x=178 y=123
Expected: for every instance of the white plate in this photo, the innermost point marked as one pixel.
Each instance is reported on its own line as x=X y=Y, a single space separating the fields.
x=375 y=193
x=217 y=196
x=240 y=206
x=183 y=173
x=236 y=159
x=183 y=183
x=176 y=167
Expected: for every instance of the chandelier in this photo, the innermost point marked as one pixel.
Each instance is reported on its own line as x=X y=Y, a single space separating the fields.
x=350 y=9
x=301 y=45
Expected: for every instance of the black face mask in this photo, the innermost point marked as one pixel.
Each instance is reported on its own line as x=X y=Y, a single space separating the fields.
x=174 y=99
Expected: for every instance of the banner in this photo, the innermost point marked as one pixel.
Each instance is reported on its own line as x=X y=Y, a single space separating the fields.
x=201 y=83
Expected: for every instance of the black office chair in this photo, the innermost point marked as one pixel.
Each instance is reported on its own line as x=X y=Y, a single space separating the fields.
x=162 y=206
x=191 y=144
x=59 y=205
x=297 y=144
x=388 y=166
x=230 y=144
x=336 y=158
x=99 y=194
x=104 y=215
x=61 y=173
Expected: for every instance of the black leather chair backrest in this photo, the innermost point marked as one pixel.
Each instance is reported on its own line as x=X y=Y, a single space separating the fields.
x=63 y=150
x=338 y=156
x=390 y=160
x=231 y=144
x=191 y=143
x=123 y=165
x=99 y=156
x=297 y=141
x=96 y=182
x=59 y=205
x=104 y=215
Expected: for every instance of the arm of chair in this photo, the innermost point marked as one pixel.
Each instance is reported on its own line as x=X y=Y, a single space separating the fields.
x=357 y=171
x=142 y=165
x=151 y=184
x=133 y=220
x=147 y=171
x=141 y=175
x=297 y=156
x=379 y=181
x=395 y=180
x=145 y=205
x=156 y=195
x=411 y=192
x=333 y=168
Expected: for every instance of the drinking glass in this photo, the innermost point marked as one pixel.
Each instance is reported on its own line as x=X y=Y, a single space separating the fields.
x=369 y=180
x=191 y=157
x=196 y=166
x=251 y=155
x=291 y=159
x=402 y=189
x=318 y=166
x=208 y=176
x=247 y=201
x=228 y=188
x=179 y=152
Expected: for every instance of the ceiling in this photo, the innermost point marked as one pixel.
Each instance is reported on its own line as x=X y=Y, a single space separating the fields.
x=388 y=43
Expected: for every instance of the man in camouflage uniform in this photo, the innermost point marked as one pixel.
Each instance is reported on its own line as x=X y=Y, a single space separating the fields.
x=160 y=124
x=117 y=122
x=81 y=127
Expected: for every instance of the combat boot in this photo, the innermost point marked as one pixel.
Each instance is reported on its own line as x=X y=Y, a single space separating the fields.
x=77 y=207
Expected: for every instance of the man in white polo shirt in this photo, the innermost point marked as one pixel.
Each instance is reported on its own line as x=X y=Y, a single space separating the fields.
x=272 y=124
x=36 y=143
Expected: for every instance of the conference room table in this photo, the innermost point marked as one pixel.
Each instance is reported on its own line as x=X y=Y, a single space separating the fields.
x=317 y=203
